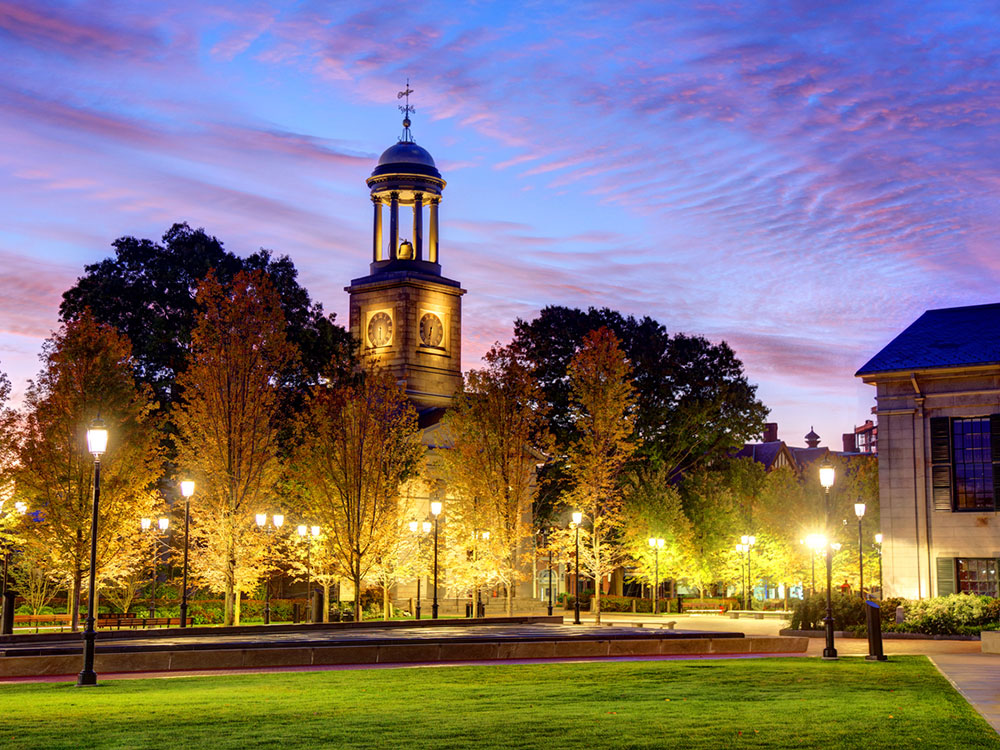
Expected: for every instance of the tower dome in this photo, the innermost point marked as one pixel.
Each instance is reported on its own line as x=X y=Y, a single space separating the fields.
x=406 y=157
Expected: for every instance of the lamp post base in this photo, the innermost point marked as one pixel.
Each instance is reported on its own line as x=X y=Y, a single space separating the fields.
x=86 y=679
x=829 y=652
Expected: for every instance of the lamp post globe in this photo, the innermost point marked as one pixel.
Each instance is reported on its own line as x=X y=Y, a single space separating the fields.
x=97 y=445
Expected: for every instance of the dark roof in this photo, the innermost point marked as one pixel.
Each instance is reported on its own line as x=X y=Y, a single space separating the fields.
x=408 y=158
x=805 y=456
x=949 y=337
x=763 y=453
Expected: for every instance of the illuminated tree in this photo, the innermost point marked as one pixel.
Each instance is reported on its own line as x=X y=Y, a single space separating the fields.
x=497 y=434
x=359 y=442
x=88 y=372
x=603 y=401
x=228 y=426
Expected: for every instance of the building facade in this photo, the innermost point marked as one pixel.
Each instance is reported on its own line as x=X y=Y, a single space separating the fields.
x=938 y=408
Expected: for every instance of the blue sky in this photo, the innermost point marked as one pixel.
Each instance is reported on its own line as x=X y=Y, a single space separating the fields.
x=797 y=179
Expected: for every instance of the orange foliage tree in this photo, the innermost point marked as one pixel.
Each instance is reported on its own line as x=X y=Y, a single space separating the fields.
x=602 y=412
x=358 y=442
x=88 y=372
x=497 y=434
x=228 y=427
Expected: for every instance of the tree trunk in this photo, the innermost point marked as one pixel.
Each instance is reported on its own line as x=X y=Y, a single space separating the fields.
x=236 y=608
x=74 y=604
x=386 y=609
x=227 y=619
x=326 y=602
x=356 y=577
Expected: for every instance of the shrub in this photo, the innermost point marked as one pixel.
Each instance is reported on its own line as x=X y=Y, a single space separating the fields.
x=848 y=611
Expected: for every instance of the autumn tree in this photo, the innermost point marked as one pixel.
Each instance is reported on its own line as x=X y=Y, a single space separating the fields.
x=88 y=372
x=228 y=424
x=497 y=434
x=602 y=408
x=359 y=442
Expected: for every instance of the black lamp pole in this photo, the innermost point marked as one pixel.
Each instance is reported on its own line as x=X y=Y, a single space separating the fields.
x=861 y=561
x=830 y=651
x=187 y=489
x=97 y=446
x=576 y=596
x=550 y=580
x=434 y=604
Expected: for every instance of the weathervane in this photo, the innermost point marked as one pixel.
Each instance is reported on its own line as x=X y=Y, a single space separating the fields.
x=406 y=110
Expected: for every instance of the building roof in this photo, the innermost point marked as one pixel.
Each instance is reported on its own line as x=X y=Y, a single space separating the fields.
x=806 y=456
x=949 y=337
x=764 y=453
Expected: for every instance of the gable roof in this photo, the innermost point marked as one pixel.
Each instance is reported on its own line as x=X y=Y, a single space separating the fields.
x=948 y=337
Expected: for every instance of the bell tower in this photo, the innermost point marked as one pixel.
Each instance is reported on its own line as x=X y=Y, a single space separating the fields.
x=404 y=312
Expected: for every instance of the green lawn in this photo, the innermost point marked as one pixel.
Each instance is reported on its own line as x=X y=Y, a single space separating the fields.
x=903 y=703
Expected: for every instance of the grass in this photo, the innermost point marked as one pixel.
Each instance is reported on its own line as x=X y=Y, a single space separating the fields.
x=903 y=703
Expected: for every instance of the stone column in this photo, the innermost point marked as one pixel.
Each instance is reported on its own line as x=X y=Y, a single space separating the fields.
x=393 y=225
x=418 y=226
x=377 y=232
x=432 y=238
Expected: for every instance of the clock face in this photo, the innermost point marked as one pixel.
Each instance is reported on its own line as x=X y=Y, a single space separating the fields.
x=431 y=330
x=380 y=329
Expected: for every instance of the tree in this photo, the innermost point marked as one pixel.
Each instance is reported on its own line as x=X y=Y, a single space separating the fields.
x=147 y=291
x=496 y=432
x=88 y=371
x=693 y=401
x=358 y=442
x=602 y=403
x=228 y=424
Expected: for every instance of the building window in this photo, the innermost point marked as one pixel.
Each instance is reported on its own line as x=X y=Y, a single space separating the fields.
x=972 y=464
x=977 y=575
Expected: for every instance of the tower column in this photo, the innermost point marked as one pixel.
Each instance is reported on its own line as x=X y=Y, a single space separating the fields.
x=377 y=231
x=432 y=237
x=418 y=225
x=393 y=225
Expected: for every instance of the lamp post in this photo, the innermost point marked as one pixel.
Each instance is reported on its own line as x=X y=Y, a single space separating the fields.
x=657 y=544
x=7 y=597
x=826 y=479
x=147 y=525
x=577 y=520
x=548 y=540
x=415 y=529
x=277 y=521
x=859 y=511
x=308 y=533
x=748 y=543
x=97 y=444
x=741 y=550
x=878 y=542
x=436 y=512
x=815 y=542
x=187 y=490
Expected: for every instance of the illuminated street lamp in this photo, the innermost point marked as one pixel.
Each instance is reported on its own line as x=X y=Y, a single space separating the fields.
x=815 y=542
x=878 y=542
x=187 y=490
x=147 y=525
x=436 y=512
x=277 y=521
x=657 y=544
x=859 y=511
x=741 y=550
x=748 y=543
x=826 y=479
x=577 y=520
x=308 y=533
x=97 y=444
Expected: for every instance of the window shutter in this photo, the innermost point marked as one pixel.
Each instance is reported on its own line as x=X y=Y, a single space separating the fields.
x=945 y=576
x=941 y=462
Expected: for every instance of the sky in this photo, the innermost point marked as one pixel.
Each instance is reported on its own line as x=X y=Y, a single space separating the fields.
x=799 y=179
